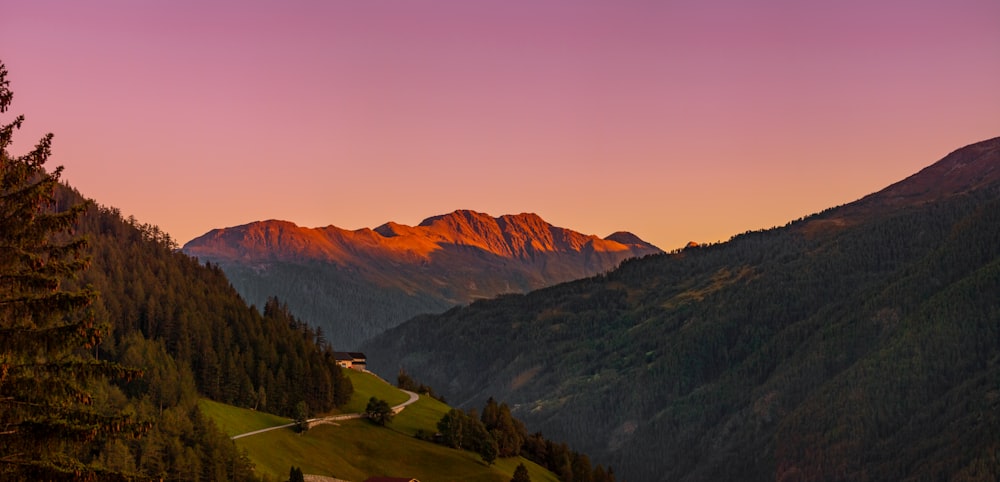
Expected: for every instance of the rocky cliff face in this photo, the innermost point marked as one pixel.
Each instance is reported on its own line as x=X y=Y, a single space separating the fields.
x=357 y=283
x=516 y=237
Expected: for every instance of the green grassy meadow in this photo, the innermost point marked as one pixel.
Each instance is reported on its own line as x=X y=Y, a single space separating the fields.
x=357 y=449
x=367 y=386
x=234 y=421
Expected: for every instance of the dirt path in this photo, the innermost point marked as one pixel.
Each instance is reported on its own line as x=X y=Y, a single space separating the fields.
x=333 y=418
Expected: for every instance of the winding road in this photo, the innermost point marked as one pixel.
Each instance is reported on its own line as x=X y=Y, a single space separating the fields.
x=333 y=418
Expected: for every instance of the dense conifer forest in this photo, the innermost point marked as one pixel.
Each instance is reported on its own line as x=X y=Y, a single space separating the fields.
x=191 y=334
x=237 y=355
x=110 y=336
x=53 y=417
x=356 y=308
x=496 y=433
x=862 y=343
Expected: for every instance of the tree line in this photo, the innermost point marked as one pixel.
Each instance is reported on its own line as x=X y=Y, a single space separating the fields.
x=109 y=336
x=497 y=434
x=746 y=359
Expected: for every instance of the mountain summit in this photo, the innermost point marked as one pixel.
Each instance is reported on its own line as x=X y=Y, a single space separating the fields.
x=967 y=169
x=861 y=343
x=357 y=283
x=525 y=237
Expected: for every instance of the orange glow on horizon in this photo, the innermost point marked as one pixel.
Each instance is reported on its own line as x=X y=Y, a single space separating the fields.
x=675 y=122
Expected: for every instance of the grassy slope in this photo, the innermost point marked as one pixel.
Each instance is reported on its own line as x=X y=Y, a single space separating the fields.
x=355 y=450
x=235 y=421
x=366 y=386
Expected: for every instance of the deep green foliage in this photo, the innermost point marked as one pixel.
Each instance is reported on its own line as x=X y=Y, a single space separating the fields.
x=235 y=354
x=349 y=307
x=489 y=450
x=496 y=433
x=406 y=382
x=463 y=430
x=378 y=411
x=508 y=432
x=179 y=322
x=301 y=416
x=452 y=427
x=185 y=326
x=295 y=475
x=51 y=422
x=182 y=443
x=521 y=474
x=862 y=343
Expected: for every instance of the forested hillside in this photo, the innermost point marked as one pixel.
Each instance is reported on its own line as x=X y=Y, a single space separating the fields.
x=186 y=333
x=861 y=343
x=236 y=354
x=107 y=336
x=190 y=333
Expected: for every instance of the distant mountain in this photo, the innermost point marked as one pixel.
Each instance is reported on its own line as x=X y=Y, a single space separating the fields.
x=192 y=336
x=860 y=343
x=356 y=284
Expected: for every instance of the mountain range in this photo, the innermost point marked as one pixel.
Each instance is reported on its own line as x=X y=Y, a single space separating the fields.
x=357 y=283
x=859 y=343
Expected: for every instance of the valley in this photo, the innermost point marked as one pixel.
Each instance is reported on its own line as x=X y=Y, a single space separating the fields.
x=858 y=343
x=834 y=341
x=355 y=284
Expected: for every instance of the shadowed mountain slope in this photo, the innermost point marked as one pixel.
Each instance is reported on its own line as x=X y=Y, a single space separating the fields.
x=861 y=343
x=355 y=284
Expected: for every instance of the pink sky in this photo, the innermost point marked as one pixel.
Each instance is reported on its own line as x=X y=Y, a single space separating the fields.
x=676 y=120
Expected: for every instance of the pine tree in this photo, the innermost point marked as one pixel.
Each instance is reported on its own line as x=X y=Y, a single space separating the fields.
x=521 y=474
x=295 y=475
x=491 y=414
x=49 y=426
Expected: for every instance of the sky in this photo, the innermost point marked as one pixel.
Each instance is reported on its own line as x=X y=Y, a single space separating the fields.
x=676 y=120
